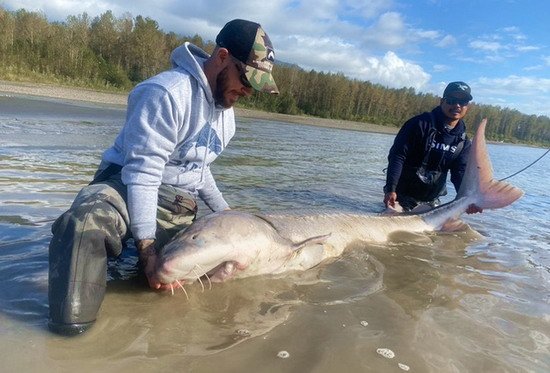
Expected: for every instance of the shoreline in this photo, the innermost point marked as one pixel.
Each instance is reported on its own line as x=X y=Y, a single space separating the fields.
x=119 y=100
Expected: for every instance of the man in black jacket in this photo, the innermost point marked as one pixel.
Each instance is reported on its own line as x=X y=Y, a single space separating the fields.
x=425 y=149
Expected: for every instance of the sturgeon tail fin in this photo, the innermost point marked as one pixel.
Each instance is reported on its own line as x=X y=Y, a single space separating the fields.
x=478 y=183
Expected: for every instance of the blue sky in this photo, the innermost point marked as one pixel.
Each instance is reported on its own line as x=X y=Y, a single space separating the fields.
x=501 y=48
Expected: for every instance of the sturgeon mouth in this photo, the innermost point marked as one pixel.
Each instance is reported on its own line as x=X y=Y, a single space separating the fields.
x=223 y=271
x=167 y=274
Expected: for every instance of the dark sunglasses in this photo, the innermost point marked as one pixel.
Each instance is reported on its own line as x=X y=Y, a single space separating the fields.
x=454 y=101
x=242 y=74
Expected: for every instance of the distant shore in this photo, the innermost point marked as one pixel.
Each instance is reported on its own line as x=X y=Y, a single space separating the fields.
x=119 y=100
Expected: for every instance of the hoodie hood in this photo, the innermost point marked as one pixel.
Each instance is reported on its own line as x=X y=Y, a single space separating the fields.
x=191 y=58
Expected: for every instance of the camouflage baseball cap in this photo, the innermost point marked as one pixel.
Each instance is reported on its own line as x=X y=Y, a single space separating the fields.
x=249 y=44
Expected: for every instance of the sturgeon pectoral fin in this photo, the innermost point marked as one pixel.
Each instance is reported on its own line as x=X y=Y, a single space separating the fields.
x=307 y=257
x=312 y=241
x=308 y=253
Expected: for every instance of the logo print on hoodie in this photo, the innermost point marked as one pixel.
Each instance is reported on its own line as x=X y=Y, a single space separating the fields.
x=207 y=137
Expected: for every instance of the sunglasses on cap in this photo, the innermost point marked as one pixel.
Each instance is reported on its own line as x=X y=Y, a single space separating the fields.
x=242 y=73
x=453 y=101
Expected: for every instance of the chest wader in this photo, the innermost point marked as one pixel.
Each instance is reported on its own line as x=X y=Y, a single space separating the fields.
x=95 y=227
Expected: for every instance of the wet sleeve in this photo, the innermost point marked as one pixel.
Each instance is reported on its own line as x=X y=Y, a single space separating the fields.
x=210 y=193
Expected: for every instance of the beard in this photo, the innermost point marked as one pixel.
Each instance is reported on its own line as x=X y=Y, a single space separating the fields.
x=221 y=88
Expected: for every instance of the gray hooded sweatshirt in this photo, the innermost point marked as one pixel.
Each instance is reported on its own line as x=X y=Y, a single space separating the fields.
x=173 y=132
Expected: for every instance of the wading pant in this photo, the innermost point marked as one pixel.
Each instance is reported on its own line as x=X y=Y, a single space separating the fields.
x=97 y=226
x=409 y=203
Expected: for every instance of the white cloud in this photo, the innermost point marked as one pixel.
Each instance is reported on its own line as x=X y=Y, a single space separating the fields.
x=367 y=9
x=539 y=67
x=534 y=68
x=335 y=55
x=394 y=72
x=505 y=46
x=440 y=68
x=527 y=48
x=524 y=93
x=426 y=34
x=516 y=85
x=489 y=46
x=515 y=33
x=389 y=31
x=447 y=41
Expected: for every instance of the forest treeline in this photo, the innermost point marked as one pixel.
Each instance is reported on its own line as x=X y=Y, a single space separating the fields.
x=116 y=53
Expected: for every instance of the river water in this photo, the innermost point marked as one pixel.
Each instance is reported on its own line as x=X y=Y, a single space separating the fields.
x=473 y=301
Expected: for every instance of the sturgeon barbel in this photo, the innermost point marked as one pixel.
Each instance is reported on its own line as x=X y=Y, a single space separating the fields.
x=235 y=244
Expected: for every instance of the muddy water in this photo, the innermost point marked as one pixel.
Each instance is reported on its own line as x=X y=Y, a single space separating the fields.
x=473 y=301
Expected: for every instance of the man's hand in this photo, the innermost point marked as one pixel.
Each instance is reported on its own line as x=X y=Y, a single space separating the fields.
x=389 y=199
x=148 y=256
x=473 y=209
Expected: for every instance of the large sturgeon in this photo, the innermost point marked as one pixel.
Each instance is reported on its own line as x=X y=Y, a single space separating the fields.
x=234 y=244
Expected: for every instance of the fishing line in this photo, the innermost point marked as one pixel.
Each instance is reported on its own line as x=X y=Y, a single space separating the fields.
x=514 y=174
x=525 y=168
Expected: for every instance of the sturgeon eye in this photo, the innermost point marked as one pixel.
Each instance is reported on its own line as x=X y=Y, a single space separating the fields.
x=194 y=237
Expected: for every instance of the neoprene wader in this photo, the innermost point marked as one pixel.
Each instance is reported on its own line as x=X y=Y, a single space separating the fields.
x=94 y=227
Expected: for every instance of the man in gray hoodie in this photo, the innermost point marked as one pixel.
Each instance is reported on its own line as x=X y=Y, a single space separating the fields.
x=177 y=123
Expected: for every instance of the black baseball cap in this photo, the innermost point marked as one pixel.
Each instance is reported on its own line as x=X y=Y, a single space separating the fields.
x=248 y=43
x=458 y=90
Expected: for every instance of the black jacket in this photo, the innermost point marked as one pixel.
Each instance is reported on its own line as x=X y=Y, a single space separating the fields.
x=418 y=136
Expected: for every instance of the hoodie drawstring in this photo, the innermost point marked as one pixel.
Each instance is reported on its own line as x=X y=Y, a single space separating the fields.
x=206 y=152
x=204 y=165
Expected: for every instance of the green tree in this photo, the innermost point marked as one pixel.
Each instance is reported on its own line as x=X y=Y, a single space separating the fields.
x=148 y=49
x=120 y=52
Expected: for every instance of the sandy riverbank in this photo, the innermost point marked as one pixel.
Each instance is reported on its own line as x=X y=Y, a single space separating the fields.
x=116 y=99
